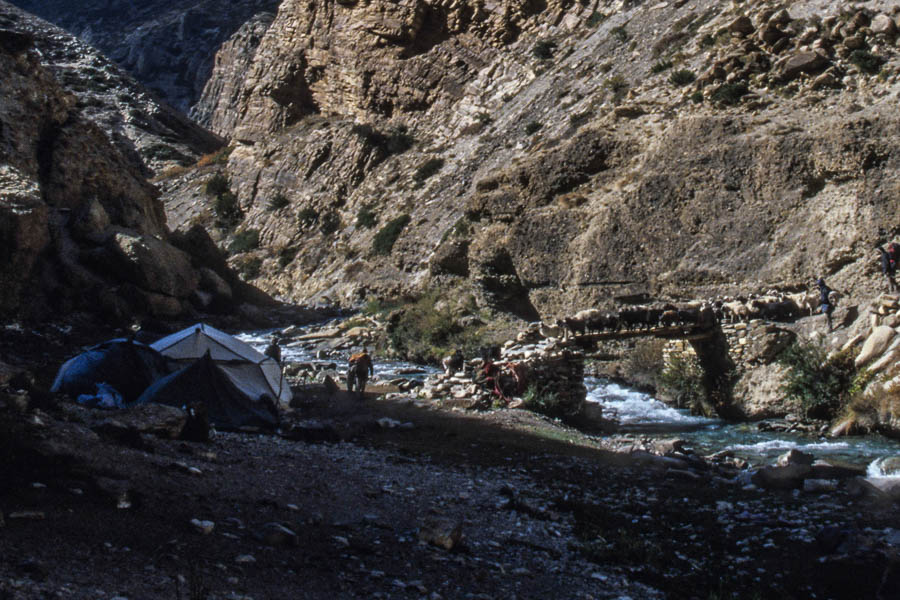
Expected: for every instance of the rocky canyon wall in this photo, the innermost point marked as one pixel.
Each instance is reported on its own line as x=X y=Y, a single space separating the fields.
x=549 y=156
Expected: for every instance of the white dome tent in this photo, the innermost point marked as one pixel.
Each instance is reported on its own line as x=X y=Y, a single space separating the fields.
x=253 y=373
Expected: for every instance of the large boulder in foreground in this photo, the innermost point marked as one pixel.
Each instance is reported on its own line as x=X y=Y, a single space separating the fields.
x=154 y=264
x=875 y=345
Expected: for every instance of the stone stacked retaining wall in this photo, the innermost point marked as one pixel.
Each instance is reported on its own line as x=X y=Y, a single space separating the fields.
x=749 y=344
x=548 y=367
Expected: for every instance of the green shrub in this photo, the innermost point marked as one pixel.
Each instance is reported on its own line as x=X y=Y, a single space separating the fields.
x=396 y=140
x=330 y=223
x=366 y=217
x=729 y=93
x=542 y=401
x=821 y=385
x=697 y=97
x=251 y=267
x=243 y=241
x=866 y=61
x=166 y=152
x=532 y=128
x=286 y=256
x=682 y=77
x=663 y=65
x=682 y=381
x=278 y=202
x=428 y=168
x=426 y=331
x=618 y=85
x=308 y=217
x=708 y=40
x=544 y=49
x=384 y=240
x=645 y=363
x=484 y=118
x=596 y=18
x=620 y=33
x=228 y=211
x=217 y=185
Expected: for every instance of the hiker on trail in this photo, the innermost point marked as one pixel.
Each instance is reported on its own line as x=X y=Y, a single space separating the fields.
x=826 y=301
x=274 y=350
x=359 y=368
x=889 y=264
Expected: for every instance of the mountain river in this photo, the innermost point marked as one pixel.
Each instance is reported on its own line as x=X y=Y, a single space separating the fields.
x=641 y=414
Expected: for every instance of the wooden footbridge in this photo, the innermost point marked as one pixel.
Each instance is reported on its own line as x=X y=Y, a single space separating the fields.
x=693 y=333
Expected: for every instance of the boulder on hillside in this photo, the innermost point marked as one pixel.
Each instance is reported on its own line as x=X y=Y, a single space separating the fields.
x=799 y=63
x=883 y=25
x=877 y=342
x=153 y=264
x=742 y=26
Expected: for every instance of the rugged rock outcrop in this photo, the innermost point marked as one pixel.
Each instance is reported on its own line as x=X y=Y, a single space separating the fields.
x=80 y=227
x=167 y=45
x=222 y=91
x=146 y=131
x=685 y=161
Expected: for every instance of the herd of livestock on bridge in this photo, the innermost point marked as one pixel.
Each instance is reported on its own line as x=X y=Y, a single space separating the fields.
x=686 y=319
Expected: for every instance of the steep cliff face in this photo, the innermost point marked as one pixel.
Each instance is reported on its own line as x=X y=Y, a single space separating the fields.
x=550 y=156
x=80 y=227
x=167 y=45
x=222 y=92
x=150 y=134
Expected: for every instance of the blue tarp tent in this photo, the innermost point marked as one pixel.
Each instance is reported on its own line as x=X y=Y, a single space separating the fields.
x=124 y=365
x=227 y=407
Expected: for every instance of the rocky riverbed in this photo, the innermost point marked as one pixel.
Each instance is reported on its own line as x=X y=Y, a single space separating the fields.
x=398 y=497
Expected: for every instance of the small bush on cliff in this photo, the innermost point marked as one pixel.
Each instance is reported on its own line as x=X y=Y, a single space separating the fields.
x=544 y=49
x=219 y=157
x=620 y=33
x=384 y=240
x=330 y=223
x=819 y=383
x=217 y=185
x=287 y=256
x=682 y=77
x=396 y=140
x=228 y=211
x=532 y=128
x=729 y=94
x=618 y=85
x=366 y=217
x=250 y=268
x=595 y=19
x=278 y=202
x=428 y=168
x=244 y=241
x=866 y=61
x=660 y=66
x=307 y=217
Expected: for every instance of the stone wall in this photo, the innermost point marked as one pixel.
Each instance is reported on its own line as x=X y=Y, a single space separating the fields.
x=753 y=385
x=548 y=367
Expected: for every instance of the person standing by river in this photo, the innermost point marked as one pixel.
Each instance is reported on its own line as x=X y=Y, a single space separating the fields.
x=359 y=368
